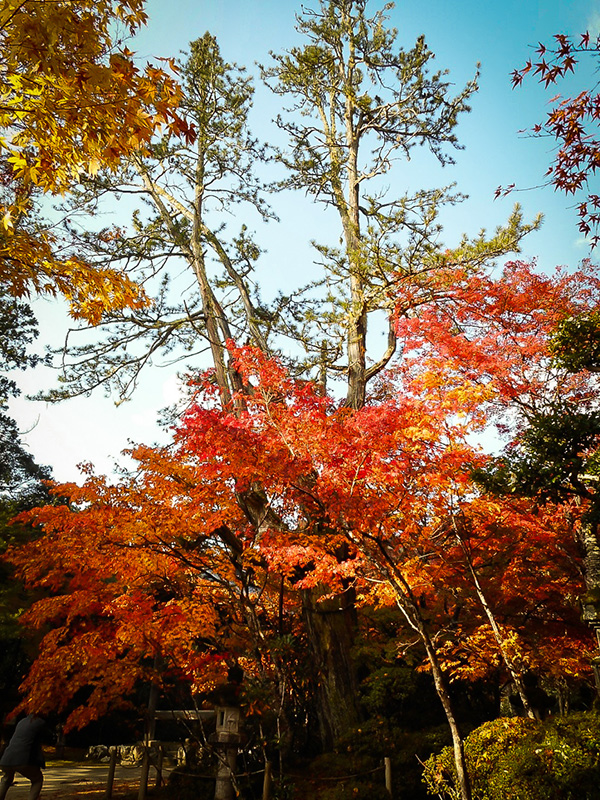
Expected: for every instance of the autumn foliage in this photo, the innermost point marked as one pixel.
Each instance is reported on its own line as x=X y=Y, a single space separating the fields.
x=170 y=562
x=73 y=101
x=277 y=502
x=571 y=122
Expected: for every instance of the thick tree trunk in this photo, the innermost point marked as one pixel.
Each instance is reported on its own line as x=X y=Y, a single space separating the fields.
x=330 y=626
x=357 y=359
x=588 y=539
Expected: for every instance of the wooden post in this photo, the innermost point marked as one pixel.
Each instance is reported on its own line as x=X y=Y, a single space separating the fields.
x=60 y=741
x=388 y=774
x=151 y=713
x=144 y=774
x=159 y=765
x=267 y=782
x=111 y=773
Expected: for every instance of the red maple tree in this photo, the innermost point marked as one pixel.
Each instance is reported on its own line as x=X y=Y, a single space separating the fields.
x=192 y=556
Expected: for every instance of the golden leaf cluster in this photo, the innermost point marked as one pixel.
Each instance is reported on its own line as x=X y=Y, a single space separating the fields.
x=72 y=102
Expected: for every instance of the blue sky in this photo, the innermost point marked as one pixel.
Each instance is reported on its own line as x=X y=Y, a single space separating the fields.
x=499 y=36
x=461 y=34
x=497 y=150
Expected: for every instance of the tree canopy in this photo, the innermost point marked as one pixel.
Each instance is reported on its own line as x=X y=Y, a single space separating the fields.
x=311 y=484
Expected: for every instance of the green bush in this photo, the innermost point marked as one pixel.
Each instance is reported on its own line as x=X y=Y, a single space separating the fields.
x=520 y=759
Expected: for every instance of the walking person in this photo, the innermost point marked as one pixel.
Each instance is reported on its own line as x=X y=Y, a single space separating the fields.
x=24 y=755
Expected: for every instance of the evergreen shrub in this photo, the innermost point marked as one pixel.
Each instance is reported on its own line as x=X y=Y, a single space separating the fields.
x=519 y=759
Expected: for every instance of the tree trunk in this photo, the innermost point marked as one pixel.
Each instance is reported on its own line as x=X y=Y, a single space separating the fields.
x=439 y=679
x=590 y=604
x=357 y=360
x=330 y=626
x=588 y=537
x=407 y=604
x=515 y=673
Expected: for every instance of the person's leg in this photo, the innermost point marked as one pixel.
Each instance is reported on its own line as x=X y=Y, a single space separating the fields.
x=6 y=782
x=34 y=774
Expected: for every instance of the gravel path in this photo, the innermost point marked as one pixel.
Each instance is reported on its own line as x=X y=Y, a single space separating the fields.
x=80 y=781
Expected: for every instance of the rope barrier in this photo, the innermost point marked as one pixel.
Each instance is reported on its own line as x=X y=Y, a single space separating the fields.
x=213 y=777
x=195 y=775
x=287 y=775
x=338 y=777
x=200 y=776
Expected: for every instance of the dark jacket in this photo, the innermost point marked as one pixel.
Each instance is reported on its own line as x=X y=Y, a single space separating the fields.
x=25 y=746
